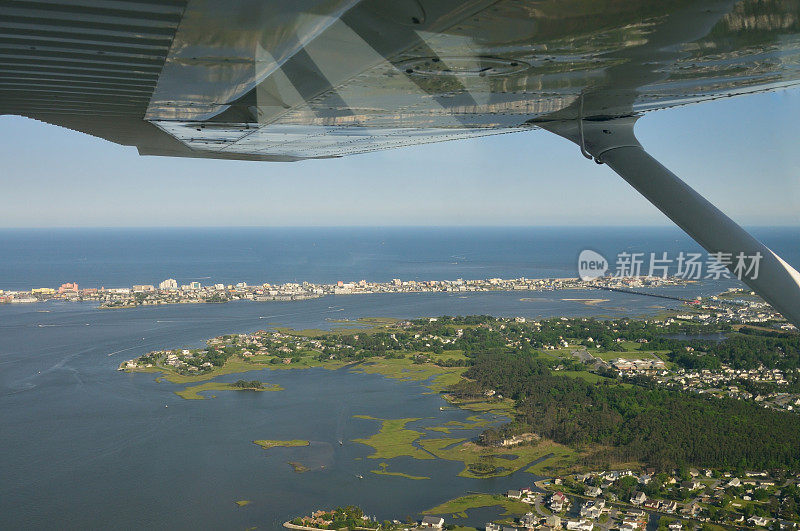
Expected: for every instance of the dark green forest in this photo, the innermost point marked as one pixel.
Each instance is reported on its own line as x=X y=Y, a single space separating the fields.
x=656 y=427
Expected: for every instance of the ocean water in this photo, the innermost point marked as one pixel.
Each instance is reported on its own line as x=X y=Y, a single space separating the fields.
x=87 y=447
x=123 y=257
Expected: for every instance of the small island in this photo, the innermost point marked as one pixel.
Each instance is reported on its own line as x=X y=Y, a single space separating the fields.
x=299 y=468
x=383 y=470
x=267 y=444
x=193 y=392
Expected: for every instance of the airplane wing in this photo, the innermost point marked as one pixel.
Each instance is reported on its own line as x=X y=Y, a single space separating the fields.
x=290 y=80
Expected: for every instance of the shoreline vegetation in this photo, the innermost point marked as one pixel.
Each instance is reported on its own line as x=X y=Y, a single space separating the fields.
x=441 y=368
x=551 y=397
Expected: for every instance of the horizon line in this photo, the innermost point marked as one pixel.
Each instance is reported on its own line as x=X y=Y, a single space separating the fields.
x=433 y=226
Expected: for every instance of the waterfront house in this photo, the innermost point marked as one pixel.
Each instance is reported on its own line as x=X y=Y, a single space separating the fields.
x=514 y=494
x=557 y=502
x=434 y=522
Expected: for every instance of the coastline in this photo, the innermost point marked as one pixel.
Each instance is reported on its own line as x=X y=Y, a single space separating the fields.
x=394 y=438
x=195 y=293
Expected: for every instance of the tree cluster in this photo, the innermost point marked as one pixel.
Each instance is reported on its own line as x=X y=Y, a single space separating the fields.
x=657 y=427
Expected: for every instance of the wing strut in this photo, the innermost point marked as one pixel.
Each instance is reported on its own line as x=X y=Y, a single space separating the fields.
x=613 y=142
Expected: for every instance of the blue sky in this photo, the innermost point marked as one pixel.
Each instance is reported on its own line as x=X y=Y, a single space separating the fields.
x=740 y=152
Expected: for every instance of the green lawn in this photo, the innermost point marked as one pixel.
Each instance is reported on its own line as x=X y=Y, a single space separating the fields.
x=450 y=355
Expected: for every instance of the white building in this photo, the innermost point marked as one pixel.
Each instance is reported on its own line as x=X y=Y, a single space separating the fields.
x=434 y=522
x=170 y=283
x=580 y=525
x=759 y=521
x=143 y=288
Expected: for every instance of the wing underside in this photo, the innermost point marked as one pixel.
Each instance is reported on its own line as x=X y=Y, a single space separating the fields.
x=273 y=80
